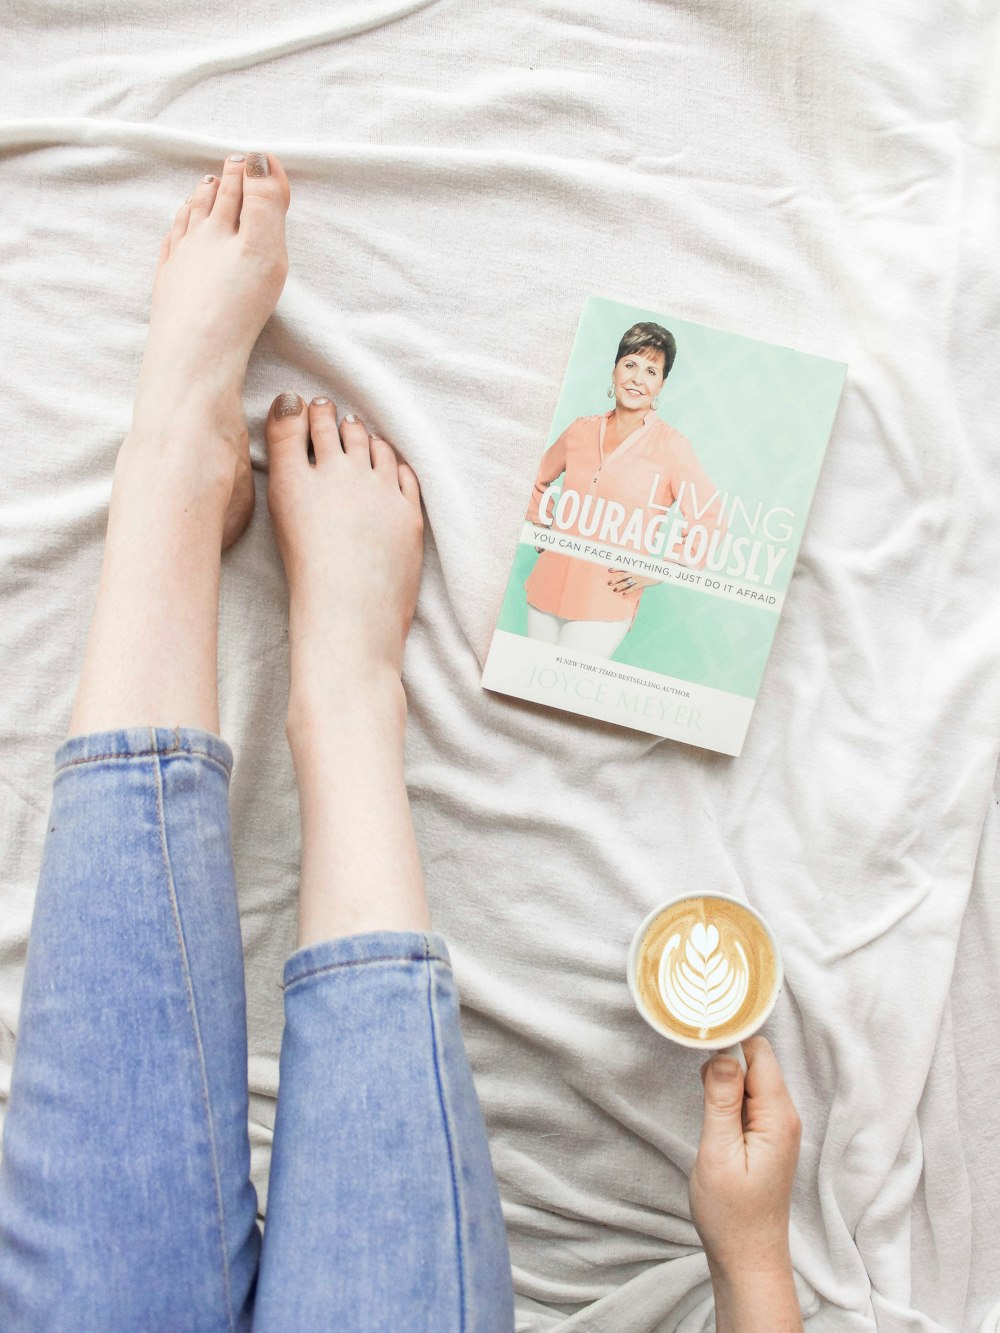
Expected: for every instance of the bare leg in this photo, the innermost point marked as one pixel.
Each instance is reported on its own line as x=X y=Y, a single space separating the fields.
x=383 y=1210
x=350 y=531
x=125 y=1193
x=182 y=485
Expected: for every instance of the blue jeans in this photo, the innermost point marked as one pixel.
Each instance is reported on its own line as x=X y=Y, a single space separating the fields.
x=125 y=1193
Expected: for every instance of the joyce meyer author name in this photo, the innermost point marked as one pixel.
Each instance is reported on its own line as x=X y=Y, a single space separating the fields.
x=639 y=702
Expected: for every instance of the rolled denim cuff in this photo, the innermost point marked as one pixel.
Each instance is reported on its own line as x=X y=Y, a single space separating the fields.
x=138 y=742
x=377 y=946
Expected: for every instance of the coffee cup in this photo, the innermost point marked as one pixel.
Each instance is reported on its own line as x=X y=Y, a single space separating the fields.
x=705 y=970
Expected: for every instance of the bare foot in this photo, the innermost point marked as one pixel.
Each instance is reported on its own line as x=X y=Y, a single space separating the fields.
x=350 y=533
x=221 y=270
x=182 y=485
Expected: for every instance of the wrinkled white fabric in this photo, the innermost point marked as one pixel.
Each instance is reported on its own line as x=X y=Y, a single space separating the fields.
x=463 y=176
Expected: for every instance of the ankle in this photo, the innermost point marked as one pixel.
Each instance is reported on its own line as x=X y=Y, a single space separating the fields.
x=363 y=704
x=189 y=461
x=206 y=415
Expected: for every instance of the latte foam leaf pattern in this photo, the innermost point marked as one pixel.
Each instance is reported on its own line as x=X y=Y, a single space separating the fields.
x=699 y=984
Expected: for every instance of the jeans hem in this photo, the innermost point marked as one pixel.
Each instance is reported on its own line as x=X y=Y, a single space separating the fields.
x=377 y=946
x=141 y=742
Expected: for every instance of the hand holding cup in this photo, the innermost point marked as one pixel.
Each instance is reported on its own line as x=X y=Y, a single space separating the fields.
x=705 y=971
x=741 y=1187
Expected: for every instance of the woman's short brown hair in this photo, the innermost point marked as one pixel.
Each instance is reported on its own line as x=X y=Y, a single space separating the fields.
x=649 y=338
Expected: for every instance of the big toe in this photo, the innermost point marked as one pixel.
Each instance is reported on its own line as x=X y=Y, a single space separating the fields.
x=253 y=192
x=286 y=431
x=266 y=192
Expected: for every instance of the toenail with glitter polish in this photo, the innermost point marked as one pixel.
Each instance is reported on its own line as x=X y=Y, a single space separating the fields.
x=236 y=157
x=207 y=180
x=258 y=165
x=350 y=417
x=287 y=405
x=320 y=402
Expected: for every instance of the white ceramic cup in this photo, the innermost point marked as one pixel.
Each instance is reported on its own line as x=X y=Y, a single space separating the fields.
x=731 y=1044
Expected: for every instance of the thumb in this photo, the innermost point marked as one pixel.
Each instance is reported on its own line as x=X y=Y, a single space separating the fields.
x=722 y=1128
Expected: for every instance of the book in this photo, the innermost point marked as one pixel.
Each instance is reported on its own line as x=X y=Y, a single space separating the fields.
x=663 y=525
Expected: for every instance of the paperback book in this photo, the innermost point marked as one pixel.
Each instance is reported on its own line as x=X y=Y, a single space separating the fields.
x=663 y=525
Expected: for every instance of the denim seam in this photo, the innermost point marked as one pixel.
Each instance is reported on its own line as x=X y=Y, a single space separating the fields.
x=448 y=1134
x=363 y=962
x=142 y=754
x=198 y=1043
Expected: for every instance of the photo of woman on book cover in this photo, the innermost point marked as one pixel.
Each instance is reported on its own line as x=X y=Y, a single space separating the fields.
x=628 y=457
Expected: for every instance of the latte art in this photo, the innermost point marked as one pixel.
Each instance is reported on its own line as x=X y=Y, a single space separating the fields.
x=699 y=985
x=704 y=970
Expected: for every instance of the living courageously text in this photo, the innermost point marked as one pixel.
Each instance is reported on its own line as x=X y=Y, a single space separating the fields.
x=718 y=546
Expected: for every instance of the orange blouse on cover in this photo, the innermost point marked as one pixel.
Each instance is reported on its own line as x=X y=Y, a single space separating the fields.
x=642 y=473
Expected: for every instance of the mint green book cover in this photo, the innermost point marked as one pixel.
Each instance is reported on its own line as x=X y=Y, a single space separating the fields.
x=663 y=524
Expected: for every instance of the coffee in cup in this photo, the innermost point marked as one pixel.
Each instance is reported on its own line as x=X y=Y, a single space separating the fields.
x=704 y=970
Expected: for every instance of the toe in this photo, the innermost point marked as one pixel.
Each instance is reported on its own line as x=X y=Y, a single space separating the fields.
x=203 y=199
x=383 y=457
x=287 y=430
x=180 y=226
x=229 y=196
x=408 y=483
x=266 y=194
x=323 y=429
x=355 y=439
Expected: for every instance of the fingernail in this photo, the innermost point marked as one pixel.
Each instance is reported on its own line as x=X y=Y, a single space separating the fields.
x=258 y=165
x=287 y=405
x=236 y=157
x=725 y=1070
x=320 y=402
x=350 y=417
x=207 y=180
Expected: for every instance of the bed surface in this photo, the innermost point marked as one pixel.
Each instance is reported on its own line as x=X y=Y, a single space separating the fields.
x=463 y=177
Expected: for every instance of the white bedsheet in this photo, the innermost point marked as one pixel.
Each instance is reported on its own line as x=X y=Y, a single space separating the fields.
x=463 y=176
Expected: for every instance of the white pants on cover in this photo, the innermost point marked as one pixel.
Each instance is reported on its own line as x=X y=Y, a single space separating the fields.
x=600 y=638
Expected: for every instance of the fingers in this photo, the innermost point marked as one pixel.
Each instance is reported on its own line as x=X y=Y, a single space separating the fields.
x=764 y=1076
x=741 y=1184
x=769 y=1103
x=722 y=1127
x=621 y=580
